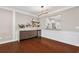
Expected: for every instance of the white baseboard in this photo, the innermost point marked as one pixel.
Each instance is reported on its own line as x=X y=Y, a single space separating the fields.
x=8 y=41
x=68 y=37
x=60 y=41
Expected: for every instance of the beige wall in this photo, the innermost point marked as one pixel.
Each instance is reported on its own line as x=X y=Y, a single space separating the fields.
x=5 y=25
x=69 y=19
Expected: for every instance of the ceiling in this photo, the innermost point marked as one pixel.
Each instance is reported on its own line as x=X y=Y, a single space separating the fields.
x=37 y=9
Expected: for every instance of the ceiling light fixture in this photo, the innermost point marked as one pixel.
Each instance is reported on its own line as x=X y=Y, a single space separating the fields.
x=44 y=11
x=42 y=6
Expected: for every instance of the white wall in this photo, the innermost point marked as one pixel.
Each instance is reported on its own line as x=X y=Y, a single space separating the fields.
x=5 y=25
x=9 y=20
x=69 y=21
x=68 y=37
x=23 y=19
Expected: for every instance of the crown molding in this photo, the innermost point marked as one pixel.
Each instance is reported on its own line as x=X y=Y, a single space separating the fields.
x=16 y=10
x=59 y=10
x=30 y=14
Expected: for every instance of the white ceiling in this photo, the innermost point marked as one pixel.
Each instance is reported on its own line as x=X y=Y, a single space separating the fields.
x=37 y=9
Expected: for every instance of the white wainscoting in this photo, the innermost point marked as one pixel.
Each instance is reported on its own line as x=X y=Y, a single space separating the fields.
x=68 y=37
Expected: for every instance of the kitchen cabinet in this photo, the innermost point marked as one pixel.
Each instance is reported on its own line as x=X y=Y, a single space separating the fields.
x=30 y=34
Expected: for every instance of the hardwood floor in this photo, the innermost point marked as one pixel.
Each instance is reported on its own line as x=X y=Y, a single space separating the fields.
x=38 y=45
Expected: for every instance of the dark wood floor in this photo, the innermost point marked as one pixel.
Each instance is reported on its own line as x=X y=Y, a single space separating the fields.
x=38 y=45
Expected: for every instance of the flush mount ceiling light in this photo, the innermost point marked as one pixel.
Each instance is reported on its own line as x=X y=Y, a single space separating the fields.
x=43 y=11
x=42 y=6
